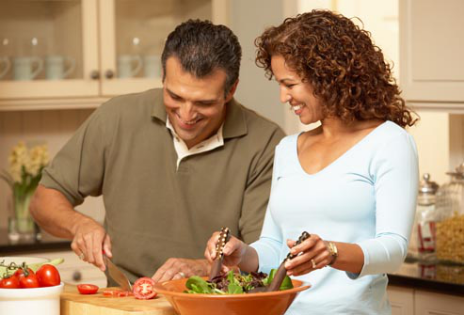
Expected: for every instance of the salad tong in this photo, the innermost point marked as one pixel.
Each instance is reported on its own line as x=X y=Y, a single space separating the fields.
x=281 y=271
x=223 y=238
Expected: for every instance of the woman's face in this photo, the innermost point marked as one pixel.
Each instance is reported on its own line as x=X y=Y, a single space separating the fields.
x=297 y=93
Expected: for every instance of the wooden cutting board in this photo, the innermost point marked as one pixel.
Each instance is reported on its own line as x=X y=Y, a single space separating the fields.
x=73 y=303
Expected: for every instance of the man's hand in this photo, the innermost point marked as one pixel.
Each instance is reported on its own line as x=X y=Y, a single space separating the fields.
x=178 y=268
x=89 y=242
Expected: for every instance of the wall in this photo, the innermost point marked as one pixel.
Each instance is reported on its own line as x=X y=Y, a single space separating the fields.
x=51 y=127
x=255 y=90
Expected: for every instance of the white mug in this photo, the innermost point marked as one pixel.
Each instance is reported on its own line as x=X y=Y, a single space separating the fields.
x=5 y=65
x=152 y=66
x=55 y=68
x=24 y=67
x=129 y=65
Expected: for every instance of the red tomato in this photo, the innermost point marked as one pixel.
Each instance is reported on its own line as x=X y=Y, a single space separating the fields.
x=87 y=288
x=11 y=282
x=27 y=278
x=22 y=271
x=123 y=294
x=143 y=289
x=111 y=293
x=48 y=275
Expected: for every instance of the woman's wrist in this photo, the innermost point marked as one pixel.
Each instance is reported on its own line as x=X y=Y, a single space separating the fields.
x=333 y=252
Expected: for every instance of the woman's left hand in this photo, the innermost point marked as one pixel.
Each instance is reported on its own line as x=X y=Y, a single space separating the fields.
x=313 y=254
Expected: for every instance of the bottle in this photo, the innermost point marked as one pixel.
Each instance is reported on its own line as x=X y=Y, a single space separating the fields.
x=450 y=229
x=426 y=218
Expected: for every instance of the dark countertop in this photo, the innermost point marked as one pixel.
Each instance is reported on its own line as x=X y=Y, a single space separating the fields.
x=443 y=278
x=47 y=243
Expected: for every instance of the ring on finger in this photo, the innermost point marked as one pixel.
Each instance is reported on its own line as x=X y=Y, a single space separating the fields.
x=181 y=274
x=313 y=263
x=82 y=256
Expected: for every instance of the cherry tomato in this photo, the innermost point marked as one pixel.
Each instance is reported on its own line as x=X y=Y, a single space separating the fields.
x=11 y=282
x=22 y=271
x=27 y=278
x=143 y=289
x=87 y=288
x=48 y=275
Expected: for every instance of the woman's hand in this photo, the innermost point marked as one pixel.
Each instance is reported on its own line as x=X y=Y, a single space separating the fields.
x=313 y=254
x=234 y=250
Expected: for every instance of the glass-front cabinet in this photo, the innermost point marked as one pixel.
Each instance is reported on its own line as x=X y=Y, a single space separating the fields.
x=77 y=53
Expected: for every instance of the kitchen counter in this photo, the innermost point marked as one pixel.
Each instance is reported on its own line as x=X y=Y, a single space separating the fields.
x=438 y=277
x=45 y=244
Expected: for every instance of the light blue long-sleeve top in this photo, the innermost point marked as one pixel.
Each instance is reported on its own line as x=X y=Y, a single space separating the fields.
x=367 y=196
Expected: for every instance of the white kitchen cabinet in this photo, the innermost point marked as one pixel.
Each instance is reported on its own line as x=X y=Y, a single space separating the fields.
x=73 y=270
x=114 y=45
x=431 y=53
x=431 y=303
x=413 y=301
x=401 y=300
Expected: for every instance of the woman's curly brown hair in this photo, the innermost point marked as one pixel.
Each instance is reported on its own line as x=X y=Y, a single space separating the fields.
x=346 y=70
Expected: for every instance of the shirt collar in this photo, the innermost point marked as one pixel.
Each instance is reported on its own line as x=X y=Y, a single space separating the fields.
x=234 y=125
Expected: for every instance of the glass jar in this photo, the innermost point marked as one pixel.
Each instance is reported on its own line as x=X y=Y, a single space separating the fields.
x=450 y=230
x=423 y=235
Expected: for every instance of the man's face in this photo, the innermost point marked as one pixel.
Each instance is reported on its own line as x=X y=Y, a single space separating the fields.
x=196 y=107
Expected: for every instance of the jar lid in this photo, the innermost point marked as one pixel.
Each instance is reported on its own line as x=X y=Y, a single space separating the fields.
x=427 y=186
x=459 y=173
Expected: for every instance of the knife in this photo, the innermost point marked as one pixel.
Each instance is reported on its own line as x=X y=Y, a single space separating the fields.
x=117 y=275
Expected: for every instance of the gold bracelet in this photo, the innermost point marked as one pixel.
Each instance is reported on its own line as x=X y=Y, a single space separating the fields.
x=333 y=252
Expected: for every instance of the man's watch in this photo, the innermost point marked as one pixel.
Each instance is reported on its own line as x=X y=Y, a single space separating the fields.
x=332 y=248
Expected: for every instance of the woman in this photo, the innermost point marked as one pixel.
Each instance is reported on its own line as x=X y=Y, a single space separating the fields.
x=351 y=182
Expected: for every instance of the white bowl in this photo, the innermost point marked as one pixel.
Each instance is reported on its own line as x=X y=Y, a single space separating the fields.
x=36 y=301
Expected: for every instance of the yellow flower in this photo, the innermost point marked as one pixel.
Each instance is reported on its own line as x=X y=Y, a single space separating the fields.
x=26 y=162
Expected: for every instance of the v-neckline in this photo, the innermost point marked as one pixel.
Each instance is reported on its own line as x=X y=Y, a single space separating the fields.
x=329 y=166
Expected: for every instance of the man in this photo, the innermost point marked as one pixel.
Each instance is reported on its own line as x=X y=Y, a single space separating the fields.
x=173 y=165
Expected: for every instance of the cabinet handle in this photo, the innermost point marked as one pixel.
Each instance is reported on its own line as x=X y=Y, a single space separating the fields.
x=109 y=74
x=95 y=75
x=77 y=276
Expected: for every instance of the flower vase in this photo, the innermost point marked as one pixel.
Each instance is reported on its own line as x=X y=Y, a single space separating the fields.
x=25 y=224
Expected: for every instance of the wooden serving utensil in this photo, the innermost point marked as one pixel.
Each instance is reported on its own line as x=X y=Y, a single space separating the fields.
x=223 y=238
x=281 y=271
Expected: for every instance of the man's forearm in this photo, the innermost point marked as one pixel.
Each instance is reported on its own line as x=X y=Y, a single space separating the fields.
x=54 y=213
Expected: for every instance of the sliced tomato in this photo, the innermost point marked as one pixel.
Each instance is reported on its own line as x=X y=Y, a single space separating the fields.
x=123 y=294
x=11 y=282
x=87 y=289
x=143 y=289
x=110 y=293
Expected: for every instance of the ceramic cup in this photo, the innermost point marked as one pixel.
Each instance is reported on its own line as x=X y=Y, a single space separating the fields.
x=59 y=67
x=27 y=68
x=152 y=66
x=129 y=65
x=5 y=65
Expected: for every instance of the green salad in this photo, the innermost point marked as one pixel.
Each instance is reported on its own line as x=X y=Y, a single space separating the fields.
x=233 y=283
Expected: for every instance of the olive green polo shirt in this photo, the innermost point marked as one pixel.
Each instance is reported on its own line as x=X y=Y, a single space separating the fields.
x=154 y=210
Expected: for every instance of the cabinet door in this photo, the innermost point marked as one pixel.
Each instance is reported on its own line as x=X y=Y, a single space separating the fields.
x=401 y=300
x=432 y=50
x=430 y=303
x=48 y=49
x=132 y=35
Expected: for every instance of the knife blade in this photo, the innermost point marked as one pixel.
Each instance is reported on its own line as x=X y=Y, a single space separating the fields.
x=117 y=274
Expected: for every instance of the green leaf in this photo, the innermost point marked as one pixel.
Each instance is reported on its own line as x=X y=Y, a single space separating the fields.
x=234 y=288
x=268 y=280
x=286 y=283
x=198 y=285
